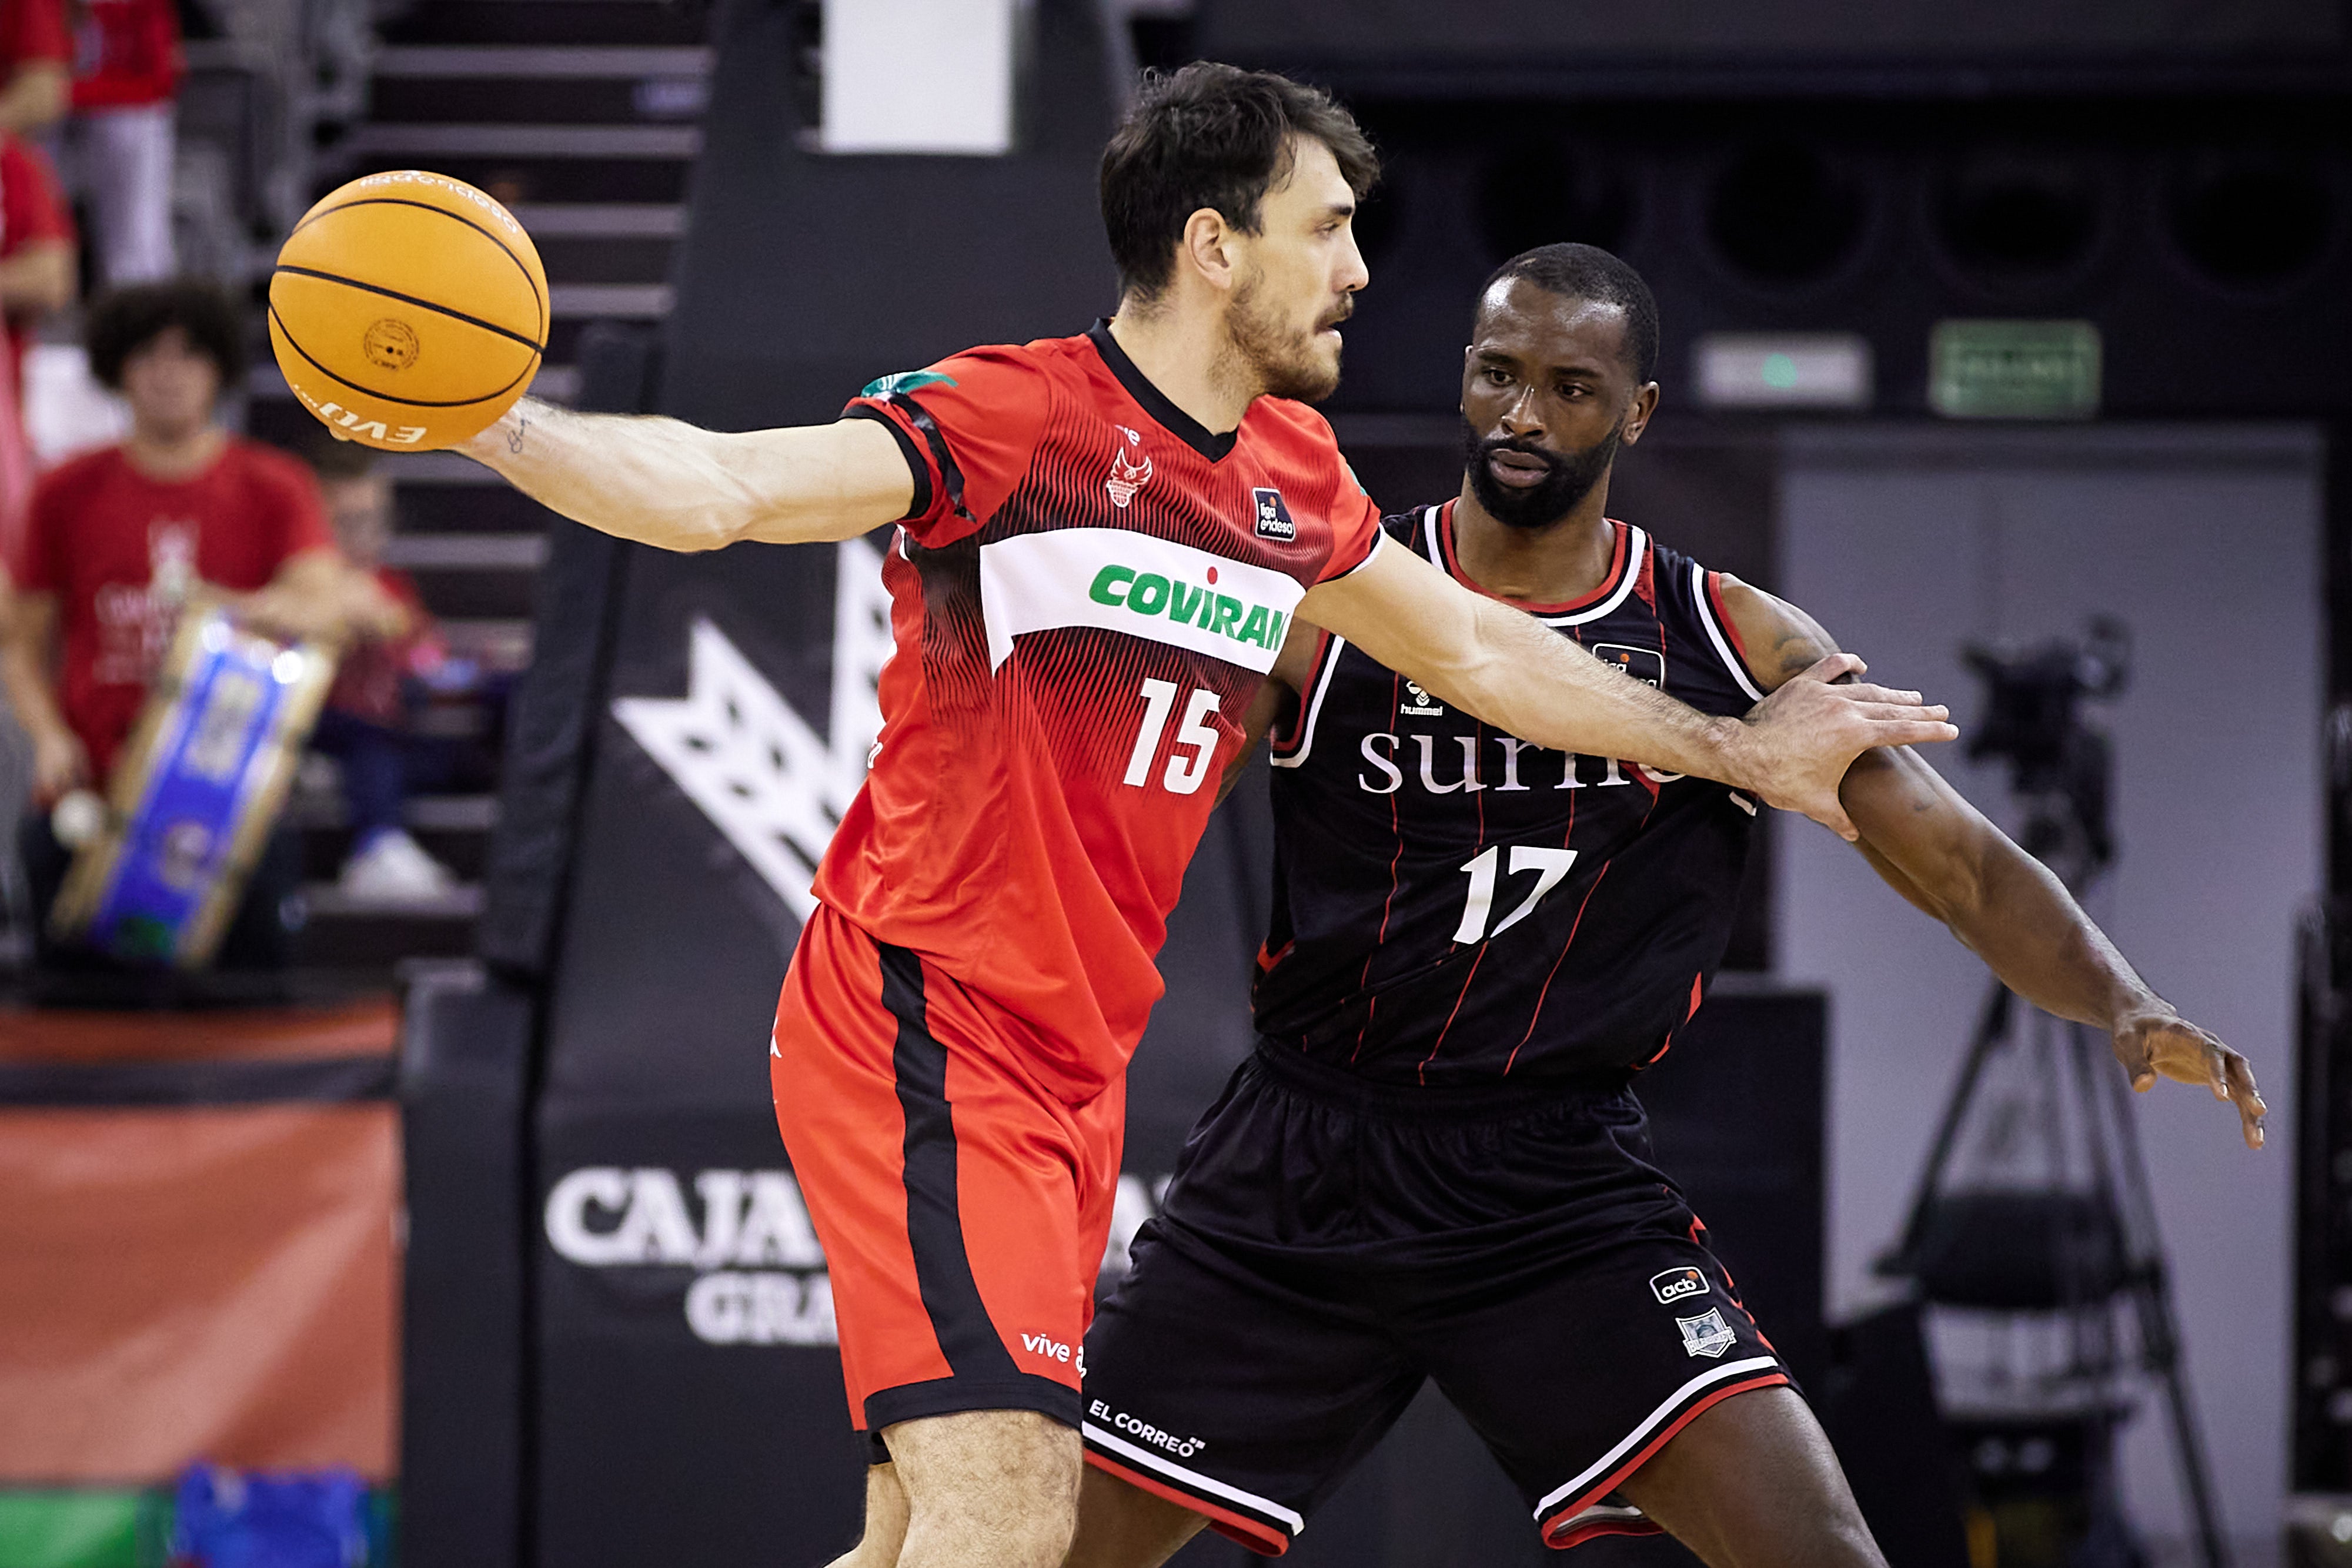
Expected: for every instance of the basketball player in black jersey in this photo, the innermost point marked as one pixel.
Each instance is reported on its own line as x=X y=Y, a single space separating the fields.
x=1433 y=1167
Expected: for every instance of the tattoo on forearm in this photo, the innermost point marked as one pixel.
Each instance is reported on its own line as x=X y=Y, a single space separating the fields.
x=514 y=442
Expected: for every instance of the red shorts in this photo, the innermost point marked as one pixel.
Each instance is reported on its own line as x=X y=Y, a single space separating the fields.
x=963 y=1209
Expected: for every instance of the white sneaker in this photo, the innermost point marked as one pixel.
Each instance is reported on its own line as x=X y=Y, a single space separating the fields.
x=394 y=869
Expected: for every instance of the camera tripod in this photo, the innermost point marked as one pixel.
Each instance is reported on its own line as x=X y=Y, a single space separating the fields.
x=2084 y=1246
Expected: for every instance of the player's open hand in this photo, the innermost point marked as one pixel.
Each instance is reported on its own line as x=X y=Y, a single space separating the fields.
x=1804 y=735
x=2162 y=1042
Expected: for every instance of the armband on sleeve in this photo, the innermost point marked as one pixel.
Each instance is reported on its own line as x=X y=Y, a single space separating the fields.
x=967 y=427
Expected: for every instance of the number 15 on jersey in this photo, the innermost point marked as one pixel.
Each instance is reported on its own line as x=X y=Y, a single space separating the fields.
x=1184 y=774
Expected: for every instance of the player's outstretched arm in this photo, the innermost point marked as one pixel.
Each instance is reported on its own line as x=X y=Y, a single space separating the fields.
x=1939 y=851
x=663 y=482
x=1492 y=661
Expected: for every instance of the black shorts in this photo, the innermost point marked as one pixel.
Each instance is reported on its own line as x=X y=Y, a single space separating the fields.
x=1326 y=1244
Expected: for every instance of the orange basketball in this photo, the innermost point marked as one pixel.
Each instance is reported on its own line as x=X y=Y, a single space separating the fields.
x=408 y=310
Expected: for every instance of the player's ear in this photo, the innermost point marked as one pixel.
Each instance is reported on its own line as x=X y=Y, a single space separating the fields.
x=1207 y=247
x=1637 y=418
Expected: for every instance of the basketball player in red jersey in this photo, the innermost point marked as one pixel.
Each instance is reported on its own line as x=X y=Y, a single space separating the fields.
x=1433 y=1167
x=1101 y=540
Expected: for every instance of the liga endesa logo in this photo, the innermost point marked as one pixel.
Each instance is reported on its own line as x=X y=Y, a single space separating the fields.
x=749 y=1266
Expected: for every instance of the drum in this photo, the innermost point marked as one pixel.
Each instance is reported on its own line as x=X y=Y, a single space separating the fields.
x=195 y=793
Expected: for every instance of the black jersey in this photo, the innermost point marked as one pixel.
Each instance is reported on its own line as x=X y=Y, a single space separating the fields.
x=1452 y=904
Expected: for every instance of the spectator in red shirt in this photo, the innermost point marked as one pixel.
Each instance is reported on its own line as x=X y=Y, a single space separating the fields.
x=127 y=68
x=367 y=725
x=35 y=65
x=36 y=278
x=118 y=540
x=37 y=249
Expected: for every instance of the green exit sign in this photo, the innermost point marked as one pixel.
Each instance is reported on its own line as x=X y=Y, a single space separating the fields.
x=2014 y=370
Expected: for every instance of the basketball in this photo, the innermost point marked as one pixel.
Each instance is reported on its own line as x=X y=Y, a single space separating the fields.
x=408 y=310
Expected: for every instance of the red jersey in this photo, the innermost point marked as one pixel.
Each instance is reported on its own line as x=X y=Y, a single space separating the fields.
x=33 y=30
x=31 y=211
x=119 y=551
x=126 y=53
x=1086 y=594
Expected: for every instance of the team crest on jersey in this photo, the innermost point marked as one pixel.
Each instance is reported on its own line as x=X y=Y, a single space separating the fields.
x=1423 y=703
x=1130 y=468
x=1706 y=1334
x=1272 y=517
x=1646 y=666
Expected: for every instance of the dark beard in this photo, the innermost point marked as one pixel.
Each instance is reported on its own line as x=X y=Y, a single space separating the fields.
x=1283 y=363
x=1570 y=477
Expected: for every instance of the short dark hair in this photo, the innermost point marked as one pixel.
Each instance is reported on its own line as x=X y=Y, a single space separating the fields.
x=1588 y=272
x=1214 y=136
x=127 y=319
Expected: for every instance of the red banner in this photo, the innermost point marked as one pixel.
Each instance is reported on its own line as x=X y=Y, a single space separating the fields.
x=216 y=1282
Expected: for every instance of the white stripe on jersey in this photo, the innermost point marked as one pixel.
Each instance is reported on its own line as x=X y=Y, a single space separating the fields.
x=1637 y=545
x=1314 y=708
x=1637 y=551
x=1731 y=659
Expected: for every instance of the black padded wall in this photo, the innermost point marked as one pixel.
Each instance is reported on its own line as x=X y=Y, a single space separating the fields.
x=464 y=1086
x=804 y=276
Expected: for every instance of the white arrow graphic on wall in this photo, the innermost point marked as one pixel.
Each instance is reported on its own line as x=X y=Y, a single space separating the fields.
x=752 y=764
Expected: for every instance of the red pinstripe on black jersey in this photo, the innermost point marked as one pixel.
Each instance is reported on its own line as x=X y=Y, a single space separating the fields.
x=1452 y=904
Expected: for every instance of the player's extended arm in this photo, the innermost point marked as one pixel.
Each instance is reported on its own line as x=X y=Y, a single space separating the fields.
x=663 y=482
x=1495 y=662
x=1938 y=851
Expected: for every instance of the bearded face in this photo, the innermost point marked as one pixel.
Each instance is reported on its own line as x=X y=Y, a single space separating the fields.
x=1287 y=356
x=1568 y=476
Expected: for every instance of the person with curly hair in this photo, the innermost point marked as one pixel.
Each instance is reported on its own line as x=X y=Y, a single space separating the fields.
x=118 y=540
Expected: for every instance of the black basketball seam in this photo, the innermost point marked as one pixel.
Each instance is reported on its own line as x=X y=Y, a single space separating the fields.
x=295 y=344
x=412 y=299
x=537 y=297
